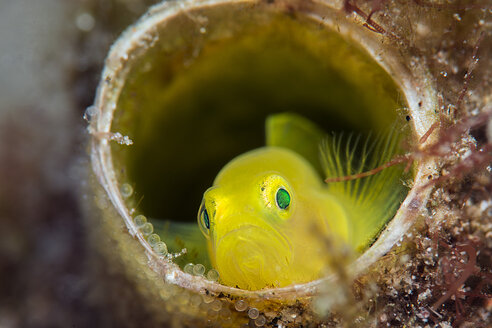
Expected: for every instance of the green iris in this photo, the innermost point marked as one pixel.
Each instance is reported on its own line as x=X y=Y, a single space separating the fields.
x=206 y=220
x=282 y=198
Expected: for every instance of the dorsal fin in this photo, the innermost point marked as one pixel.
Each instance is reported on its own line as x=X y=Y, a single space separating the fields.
x=292 y=131
x=371 y=201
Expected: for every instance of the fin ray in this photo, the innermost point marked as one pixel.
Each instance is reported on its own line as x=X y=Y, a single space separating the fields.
x=373 y=200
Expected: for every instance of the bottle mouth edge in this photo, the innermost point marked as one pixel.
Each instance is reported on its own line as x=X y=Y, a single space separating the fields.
x=414 y=83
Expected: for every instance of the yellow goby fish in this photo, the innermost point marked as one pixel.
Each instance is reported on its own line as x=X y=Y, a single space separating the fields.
x=268 y=216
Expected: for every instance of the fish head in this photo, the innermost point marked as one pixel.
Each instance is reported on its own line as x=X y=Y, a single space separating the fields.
x=253 y=214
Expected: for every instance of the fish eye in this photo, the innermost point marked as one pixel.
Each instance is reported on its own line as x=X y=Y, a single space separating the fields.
x=282 y=198
x=277 y=195
x=204 y=220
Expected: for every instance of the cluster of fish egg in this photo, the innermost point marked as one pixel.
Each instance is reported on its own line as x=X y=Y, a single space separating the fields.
x=199 y=270
x=215 y=310
x=160 y=248
x=145 y=228
x=207 y=308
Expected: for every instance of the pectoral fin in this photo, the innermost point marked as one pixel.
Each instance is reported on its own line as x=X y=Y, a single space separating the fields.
x=179 y=235
x=371 y=201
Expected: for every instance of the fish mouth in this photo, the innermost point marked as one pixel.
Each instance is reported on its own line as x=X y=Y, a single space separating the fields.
x=253 y=257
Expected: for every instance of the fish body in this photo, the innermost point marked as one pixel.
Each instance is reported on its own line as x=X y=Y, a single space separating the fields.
x=256 y=240
x=270 y=220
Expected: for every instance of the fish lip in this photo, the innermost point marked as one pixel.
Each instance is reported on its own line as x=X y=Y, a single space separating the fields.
x=250 y=262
